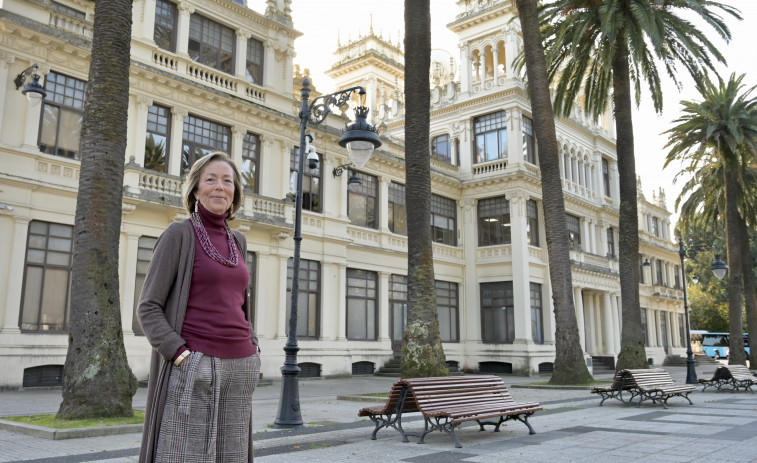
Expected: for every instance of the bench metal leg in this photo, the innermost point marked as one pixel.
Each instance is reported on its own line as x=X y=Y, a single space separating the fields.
x=442 y=424
x=523 y=418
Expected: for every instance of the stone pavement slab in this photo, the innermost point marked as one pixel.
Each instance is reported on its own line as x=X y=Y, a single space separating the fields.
x=572 y=427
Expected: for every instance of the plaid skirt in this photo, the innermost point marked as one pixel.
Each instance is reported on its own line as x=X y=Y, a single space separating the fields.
x=208 y=410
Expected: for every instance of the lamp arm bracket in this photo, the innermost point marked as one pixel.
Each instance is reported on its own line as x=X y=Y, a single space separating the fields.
x=321 y=106
x=339 y=169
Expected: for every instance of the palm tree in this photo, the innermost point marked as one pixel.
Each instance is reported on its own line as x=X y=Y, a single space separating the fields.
x=723 y=124
x=422 y=352
x=598 y=49
x=97 y=380
x=569 y=366
x=702 y=199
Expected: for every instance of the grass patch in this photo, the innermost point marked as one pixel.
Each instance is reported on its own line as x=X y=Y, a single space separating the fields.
x=49 y=421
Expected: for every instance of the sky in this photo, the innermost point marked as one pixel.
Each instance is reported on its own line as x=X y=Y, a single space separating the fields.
x=325 y=23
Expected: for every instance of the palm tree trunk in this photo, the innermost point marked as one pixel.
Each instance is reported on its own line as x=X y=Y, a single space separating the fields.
x=569 y=366
x=632 y=354
x=97 y=380
x=422 y=352
x=733 y=245
x=750 y=288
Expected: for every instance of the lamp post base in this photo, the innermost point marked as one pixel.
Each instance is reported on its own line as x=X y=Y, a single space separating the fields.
x=691 y=374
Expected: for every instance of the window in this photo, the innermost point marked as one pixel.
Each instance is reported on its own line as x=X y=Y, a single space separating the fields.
x=529 y=146
x=446 y=303
x=254 y=68
x=252 y=265
x=654 y=226
x=493 y=221
x=202 y=137
x=308 y=297
x=497 y=322
x=606 y=176
x=537 y=325
x=574 y=231
x=69 y=11
x=491 y=137
x=211 y=43
x=362 y=201
x=47 y=277
x=250 y=160
x=397 y=209
x=158 y=136
x=610 y=242
x=362 y=307
x=145 y=248
x=62 y=113
x=644 y=327
x=440 y=149
x=443 y=220
x=398 y=306
x=532 y=222
x=311 y=182
x=165 y=25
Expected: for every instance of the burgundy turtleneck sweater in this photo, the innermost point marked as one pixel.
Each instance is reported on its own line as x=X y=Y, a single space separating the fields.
x=215 y=323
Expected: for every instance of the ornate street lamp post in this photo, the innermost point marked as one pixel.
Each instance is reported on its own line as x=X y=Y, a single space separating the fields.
x=360 y=139
x=719 y=268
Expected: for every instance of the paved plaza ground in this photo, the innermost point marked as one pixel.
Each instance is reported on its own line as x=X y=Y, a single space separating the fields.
x=720 y=426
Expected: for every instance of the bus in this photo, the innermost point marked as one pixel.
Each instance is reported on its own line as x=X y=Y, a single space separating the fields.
x=716 y=345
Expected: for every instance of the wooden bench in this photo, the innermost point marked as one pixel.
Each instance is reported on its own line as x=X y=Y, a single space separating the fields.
x=720 y=378
x=655 y=384
x=390 y=414
x=614 y=390
x=447 y=402
x=741 y=377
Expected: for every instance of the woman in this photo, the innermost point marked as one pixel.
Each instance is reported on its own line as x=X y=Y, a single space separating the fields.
x=195 y=312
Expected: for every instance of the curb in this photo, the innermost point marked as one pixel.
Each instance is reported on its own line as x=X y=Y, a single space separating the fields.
x=74 y=433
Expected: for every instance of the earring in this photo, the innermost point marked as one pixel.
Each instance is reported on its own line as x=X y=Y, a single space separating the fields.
x=196 y=201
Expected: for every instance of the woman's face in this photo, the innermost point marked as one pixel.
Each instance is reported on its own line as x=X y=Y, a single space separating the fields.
x=215 y=191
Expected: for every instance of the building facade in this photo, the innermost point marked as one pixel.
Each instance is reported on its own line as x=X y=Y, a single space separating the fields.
x=216 y=75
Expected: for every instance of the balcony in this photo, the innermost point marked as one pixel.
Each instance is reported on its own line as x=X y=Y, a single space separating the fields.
x=161 y=188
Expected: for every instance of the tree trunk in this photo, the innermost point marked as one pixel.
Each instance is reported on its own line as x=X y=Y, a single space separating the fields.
x=737 y=355
x=97 y=380
x=569 y=366
x=750 y=289
x=422 y=352
x=632 y=354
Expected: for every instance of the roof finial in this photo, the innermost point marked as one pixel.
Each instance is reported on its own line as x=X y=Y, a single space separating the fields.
x=371 y=31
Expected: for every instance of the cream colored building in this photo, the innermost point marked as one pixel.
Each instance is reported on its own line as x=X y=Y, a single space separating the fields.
x=215 y=74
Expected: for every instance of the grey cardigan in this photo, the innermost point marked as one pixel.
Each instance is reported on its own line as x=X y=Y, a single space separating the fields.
x=161 y=311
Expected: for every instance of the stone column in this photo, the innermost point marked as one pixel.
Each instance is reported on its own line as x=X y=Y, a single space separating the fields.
x=17 y=257
x=579 y=306
x=237 y=136
x=383 y=306
x=383 y=224
x=130 y=251
x=341 y=302
x=616 y=317
x=269 y=304
x=521 y=270
x=147 y=19
x=138 y=130
x=6 y=59
x=176 y=145
x=466 y=70
x=240 y=59
x=609 y=331
x=182 y=29
x=470 y=296
x=282 y=322
x=591 y=346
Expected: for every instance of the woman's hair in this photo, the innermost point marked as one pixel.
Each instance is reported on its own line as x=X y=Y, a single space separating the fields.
x=193 y=179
